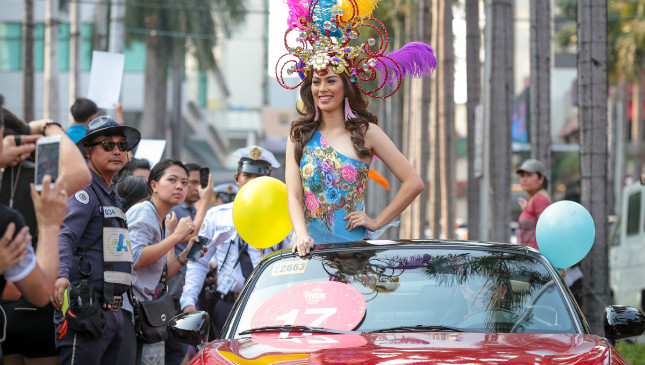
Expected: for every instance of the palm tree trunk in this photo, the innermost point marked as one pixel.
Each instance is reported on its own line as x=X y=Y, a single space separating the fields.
x=473 y=70
x=397 y=137
x=394 y=121
x=101 y=24
x=117 y=28
x=28 y=61
x=153 y=118
x=620 y=137
x=638 y=135
x=446 y=119
x=50 y=71
x=74 y=50
x=425 y=30
x=499 y=109
x=411 y=120
x=435 y=179
x=592 y=114
x=540 y=94
x=177 y=121
x=417 y=130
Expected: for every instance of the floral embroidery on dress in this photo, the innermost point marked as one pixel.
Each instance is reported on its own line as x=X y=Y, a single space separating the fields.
x=333 y=184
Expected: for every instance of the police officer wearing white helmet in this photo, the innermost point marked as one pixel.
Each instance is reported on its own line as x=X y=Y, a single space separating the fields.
x=224 y=193
x=235 y=258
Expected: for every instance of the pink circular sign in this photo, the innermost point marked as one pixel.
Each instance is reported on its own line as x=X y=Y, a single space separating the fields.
x=326 y=304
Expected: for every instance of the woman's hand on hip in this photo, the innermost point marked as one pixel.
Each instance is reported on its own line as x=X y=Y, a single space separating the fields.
x=359 y=218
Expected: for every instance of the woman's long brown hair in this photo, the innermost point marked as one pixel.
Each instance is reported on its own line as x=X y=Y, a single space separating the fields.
x=302 y=129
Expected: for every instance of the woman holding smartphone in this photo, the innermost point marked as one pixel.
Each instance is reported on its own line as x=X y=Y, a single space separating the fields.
x=151 y=251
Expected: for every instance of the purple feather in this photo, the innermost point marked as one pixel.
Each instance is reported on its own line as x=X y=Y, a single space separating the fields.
x=415 y=59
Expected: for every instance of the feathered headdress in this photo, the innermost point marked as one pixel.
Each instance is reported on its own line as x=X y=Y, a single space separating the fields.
x=327 y=36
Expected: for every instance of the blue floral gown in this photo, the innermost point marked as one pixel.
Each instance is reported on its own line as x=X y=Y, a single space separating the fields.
x=333 y=186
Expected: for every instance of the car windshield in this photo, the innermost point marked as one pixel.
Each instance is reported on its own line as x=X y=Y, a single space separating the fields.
x=401 y=289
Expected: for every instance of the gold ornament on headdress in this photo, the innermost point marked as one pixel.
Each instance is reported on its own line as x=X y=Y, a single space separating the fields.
x=255 y=154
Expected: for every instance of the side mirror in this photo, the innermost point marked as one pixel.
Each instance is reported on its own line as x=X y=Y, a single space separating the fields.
x=623 y=322
x=190 y=328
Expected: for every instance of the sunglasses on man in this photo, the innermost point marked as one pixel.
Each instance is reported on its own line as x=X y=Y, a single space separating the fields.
x=109 y=145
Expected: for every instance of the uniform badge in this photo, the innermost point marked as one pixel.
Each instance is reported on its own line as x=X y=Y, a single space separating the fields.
x=255 y=154
x=82 y=196
x=204 y=227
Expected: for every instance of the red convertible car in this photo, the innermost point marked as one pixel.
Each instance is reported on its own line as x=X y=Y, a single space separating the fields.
x=408 y=302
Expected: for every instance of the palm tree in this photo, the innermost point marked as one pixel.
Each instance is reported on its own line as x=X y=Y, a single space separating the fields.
x=395 y=15
x=499 y=88
x=167 y=29
x=50 y=71
x=101 y=25
x=446 y=116
x=28 y=61
x=473 y=70
x=117 y=28
x=425 y=35
x=592 y=114
x=540 y=97
x=74 y=50
x=411 y=125
x=416 y=122
x=434 y=173
x=626 y=35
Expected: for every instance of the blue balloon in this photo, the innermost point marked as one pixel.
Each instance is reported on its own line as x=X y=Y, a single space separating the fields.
x=565 y=233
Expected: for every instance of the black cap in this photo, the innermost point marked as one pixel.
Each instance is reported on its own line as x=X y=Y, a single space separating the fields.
x=258 y=167
x=106 y=126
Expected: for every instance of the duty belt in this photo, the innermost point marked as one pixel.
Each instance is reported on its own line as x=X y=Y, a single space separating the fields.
x=116 y=304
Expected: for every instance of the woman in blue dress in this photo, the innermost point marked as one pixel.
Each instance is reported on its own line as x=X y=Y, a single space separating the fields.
x=331 y=146
x=328 y=156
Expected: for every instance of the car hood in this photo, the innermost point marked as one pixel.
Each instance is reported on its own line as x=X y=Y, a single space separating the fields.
x=412 y=348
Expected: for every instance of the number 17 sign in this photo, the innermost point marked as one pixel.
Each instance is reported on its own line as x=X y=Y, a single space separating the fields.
x=327 y=304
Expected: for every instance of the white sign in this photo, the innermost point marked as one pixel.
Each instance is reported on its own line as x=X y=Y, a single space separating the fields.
x=106 y=76
x=151 y=150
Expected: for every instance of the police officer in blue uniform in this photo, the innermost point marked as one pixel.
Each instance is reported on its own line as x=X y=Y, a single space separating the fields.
x=95 y=256
x=235 y=258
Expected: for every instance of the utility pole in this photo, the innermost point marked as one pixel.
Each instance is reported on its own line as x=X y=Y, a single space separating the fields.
x=28 y=61
x=74 y=50
x=50 y=71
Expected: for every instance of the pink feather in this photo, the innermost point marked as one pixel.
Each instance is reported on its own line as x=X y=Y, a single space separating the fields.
x=297 y=10
x=415 y=59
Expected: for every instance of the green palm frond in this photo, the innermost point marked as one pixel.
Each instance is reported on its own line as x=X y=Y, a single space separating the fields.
x=188 y=22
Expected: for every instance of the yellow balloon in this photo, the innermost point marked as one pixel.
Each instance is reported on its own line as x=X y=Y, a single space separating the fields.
x=260 y=212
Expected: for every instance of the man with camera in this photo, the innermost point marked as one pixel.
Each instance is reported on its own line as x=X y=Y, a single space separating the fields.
x=95 y=256
x=235 y=258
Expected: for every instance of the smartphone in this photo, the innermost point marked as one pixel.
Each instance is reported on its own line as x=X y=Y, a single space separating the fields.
x=194 y=252
x=47 y=160
x=203 y=176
